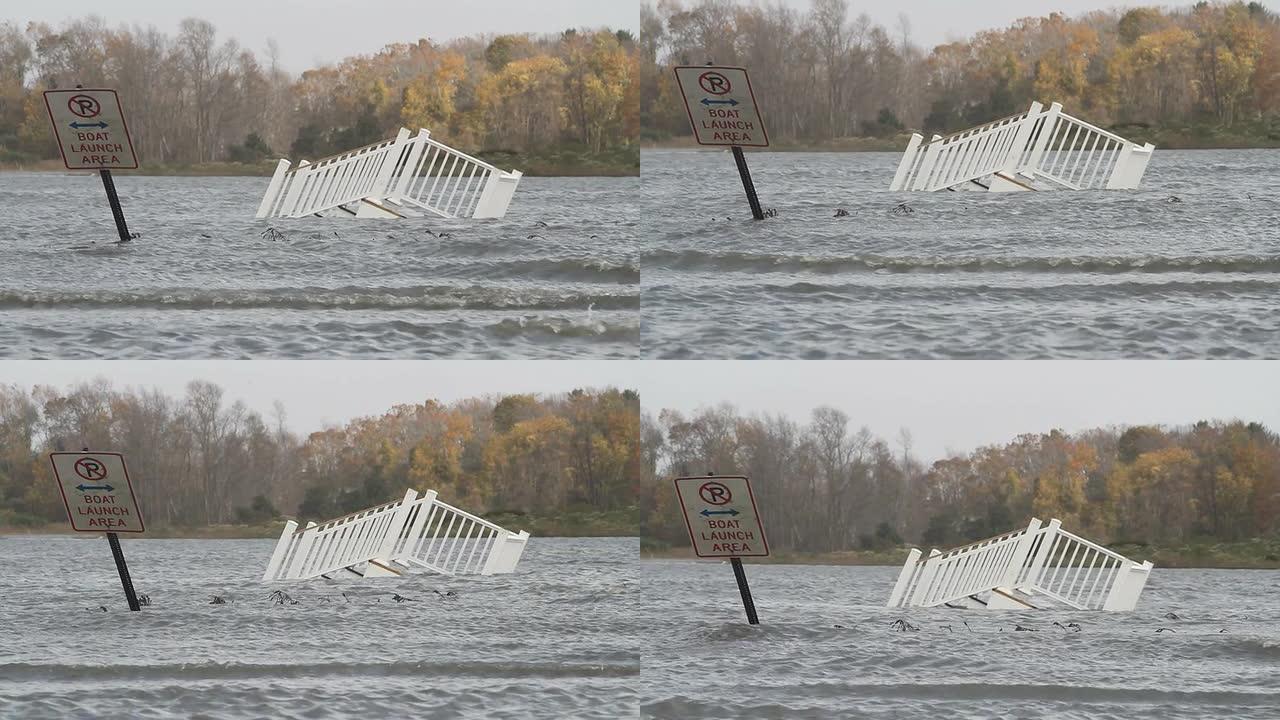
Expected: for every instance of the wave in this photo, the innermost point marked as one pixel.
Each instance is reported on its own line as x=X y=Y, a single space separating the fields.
x=1095 y=291
x=573 y=269
x=564 y=328
x=319 y=298
x=237 y=671
x=809 y=693
x=737 y=261
x=1245 y=648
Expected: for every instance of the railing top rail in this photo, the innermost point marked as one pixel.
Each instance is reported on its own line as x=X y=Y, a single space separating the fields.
x=395 y=503
x=367 y=511
x=469 y=516
x=1092 y=128
x=977 y=544
x=984 y=127
x=1094 y=546
x=347 y=153
x=452 y=151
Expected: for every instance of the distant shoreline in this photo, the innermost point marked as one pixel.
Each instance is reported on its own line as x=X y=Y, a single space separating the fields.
x=612 y=523
x=1246 y=555
x=616 y=163
x=898 y=144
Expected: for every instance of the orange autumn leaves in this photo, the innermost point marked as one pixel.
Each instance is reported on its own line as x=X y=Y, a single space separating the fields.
x=1216 y=480
x=201 y=459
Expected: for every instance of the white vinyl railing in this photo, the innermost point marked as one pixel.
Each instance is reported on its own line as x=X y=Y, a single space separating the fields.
x=963 y=156
x=1078 y=156
x=1036 y=561
x=449 y=183
x=414 y=532
x=956 y=574
x=406 y=175
x=1038 y=144
x=450 y=541
x=332 y=182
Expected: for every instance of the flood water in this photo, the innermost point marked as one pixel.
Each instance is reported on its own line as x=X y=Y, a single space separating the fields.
x=825 y=648
x=557 y=277
x=1186 y=267
x=558 y=638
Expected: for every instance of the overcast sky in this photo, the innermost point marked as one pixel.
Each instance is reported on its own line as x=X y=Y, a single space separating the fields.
x=317 y=32
x=952 y=405
x=961 y=405
x=937 y=21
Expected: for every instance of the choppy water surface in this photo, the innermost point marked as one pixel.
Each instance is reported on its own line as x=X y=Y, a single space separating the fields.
x=1220 y=659
x=557 y=277
x=1024 y=275
x=556 y=639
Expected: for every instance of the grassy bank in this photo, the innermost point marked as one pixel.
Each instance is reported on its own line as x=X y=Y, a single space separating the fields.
x=609 y=523
x=1260 y=136
x=650 y=550
x=205 y=532
x=569 y=162
x=851 y=144
x=1204 y=137
x=614 y=523
x=549 y=163
x=1260 y=554
x=219 y=169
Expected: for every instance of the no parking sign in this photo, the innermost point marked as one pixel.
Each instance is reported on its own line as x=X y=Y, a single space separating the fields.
x=97 y=492
x=99 y=497
x=721 y=105
x=92 y=134
x=720 y=512
x=90 y=127
x=723 y=111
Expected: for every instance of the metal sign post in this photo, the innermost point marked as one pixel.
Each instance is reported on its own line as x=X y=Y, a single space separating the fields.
x=98 y=495
x=723 y=522
x=750 y=187
x=92 y=135
x=744 y=590
x=121 y=567
x=723 y=111
x=117 y=212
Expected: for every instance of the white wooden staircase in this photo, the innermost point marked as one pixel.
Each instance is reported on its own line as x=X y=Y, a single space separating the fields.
x=411 y=534
x=1034 y=567
x=407 y=176
x=1039 y=149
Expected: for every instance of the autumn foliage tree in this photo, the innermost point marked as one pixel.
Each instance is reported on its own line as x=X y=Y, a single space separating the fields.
x=194 y=98
x=825 y=73
x=201 y=459
x=827 y=486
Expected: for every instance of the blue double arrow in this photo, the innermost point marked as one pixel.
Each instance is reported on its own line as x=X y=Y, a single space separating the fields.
x=78 y=125
x=83 y=488
x=709 y=513
x=709 y=101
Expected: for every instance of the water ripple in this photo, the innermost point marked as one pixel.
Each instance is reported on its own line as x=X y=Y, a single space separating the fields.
x=206 y=279
x=1017 y=275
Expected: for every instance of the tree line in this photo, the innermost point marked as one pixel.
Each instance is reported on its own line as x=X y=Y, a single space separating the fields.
x=822 y=74
x=195 y=98
x=824 y=486
x=200 y=459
